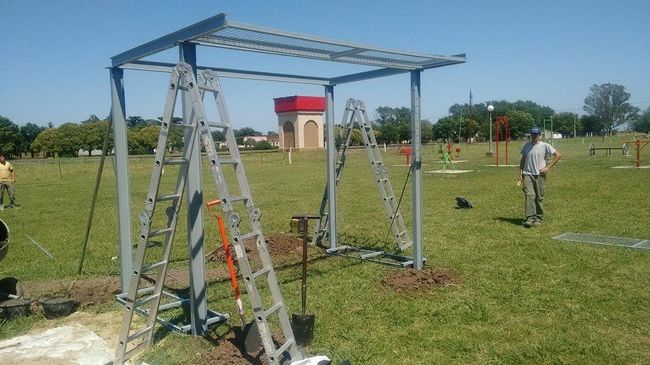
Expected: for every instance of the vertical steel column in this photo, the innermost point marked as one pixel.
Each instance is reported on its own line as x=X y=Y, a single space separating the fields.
x=118 y=114
x=194 y=196
x=417 y=170
x=331 y=164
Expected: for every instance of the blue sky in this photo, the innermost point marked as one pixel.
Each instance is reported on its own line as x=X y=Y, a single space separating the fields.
x=54 y=54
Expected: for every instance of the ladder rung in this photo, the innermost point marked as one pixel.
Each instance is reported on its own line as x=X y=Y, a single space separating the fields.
x=261 y=272
x=389 y=197
x=218 y=125
x=283 y=348
x=372 y=254
x=152 y=267
x=175 y=161
x=143 y=331
x=167 y=197
x=145 y=300
x=244 y=237
x=160 y=232
x=132 y=352
x=175 y=304
x=272 y=309
x=237 y=198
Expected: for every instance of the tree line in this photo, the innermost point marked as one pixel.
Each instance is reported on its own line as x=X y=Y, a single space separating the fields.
x=606 y=107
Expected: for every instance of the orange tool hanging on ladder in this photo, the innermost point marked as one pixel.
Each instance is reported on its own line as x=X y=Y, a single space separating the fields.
x=250 y=334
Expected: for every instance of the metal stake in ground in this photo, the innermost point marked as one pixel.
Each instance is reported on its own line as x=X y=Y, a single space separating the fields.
x=303 y=324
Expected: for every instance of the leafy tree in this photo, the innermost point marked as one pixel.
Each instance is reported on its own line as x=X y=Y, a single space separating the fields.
x=519 y=122
x=389 y=133
x=388 y=115
x=591 y=124
x=218 y=135
x=445 y=128
x=70 y=142
x=9 y=137
x=610 y=104
x=642 y=124
x=246 y=131
x=564 y=123
x=48 y=142
x=148 y=138
x=426 y=130
x=92 y=134
x=28 y=134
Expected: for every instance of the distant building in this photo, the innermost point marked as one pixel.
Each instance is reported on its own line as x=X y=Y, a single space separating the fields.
x=300 y=121
x=257 y=139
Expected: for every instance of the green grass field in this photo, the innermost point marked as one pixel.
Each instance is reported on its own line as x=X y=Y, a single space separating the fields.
x=521 y=297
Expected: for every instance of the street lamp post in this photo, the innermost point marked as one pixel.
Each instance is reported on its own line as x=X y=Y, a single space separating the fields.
x=490 y=108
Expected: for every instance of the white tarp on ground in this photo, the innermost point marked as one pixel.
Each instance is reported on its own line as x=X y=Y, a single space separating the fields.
x=69 y=344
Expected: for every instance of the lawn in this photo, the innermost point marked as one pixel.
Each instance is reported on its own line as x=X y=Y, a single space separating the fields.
x=519 y=295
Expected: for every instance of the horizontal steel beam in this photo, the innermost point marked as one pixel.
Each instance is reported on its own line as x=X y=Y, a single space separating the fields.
x=170 y=40
x=230 y=73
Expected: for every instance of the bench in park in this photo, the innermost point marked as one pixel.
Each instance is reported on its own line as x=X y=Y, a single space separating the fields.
x=608 y=150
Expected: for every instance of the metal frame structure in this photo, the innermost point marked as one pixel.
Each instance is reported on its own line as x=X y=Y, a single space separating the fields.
x=218 y=32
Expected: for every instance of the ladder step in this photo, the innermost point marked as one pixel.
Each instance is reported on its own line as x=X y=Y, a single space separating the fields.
x=244 y=237
x=272 y=309
x=152 y=267
x=167 y=197
x=261 y=272
x=283 y=348
x=218 y=125
x=140 y=333
x=146 y=300
x=237 y=198
x=175 y=161
x=160 y=232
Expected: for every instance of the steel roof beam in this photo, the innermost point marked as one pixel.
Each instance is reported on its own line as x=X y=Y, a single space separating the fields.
x=230 y=73
x=170 y=40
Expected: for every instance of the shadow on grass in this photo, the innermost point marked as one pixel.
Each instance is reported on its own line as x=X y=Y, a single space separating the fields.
x=513 y=221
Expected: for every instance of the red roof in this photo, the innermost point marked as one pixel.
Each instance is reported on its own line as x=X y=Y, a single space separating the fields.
x=300 y=103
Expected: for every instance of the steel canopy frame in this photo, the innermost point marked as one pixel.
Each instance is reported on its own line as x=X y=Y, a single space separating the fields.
x=218 y=32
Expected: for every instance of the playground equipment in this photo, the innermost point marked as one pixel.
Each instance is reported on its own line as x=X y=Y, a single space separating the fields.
x=502 y=122
x=407 y=152
x=608 y=150
x=638 y=146
x=445 y=156
x=217 y=32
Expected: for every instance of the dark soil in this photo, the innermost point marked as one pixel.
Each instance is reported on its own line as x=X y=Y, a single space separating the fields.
x=280 y=246
x=415 y=281
x=229 y=351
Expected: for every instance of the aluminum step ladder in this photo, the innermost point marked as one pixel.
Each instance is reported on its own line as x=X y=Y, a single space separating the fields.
x=356 y=111
x=143 y=296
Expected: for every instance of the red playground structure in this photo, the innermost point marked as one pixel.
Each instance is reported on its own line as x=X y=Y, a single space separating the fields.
x=407 y=151
x=638 y=146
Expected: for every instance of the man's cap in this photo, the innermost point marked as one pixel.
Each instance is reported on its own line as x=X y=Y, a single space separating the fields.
x=535 y=130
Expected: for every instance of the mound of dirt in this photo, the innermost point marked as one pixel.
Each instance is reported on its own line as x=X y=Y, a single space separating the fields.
x=279 y=245
x=229 y=352
x=413 y=281
x=87 y=292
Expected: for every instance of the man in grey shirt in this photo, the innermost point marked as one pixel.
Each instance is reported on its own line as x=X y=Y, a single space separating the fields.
x=532 y=171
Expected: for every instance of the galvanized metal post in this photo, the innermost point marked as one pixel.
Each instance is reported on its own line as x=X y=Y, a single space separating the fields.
x=416 y=142
x=194 y=199
x=118 y=115
x=331 y=163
